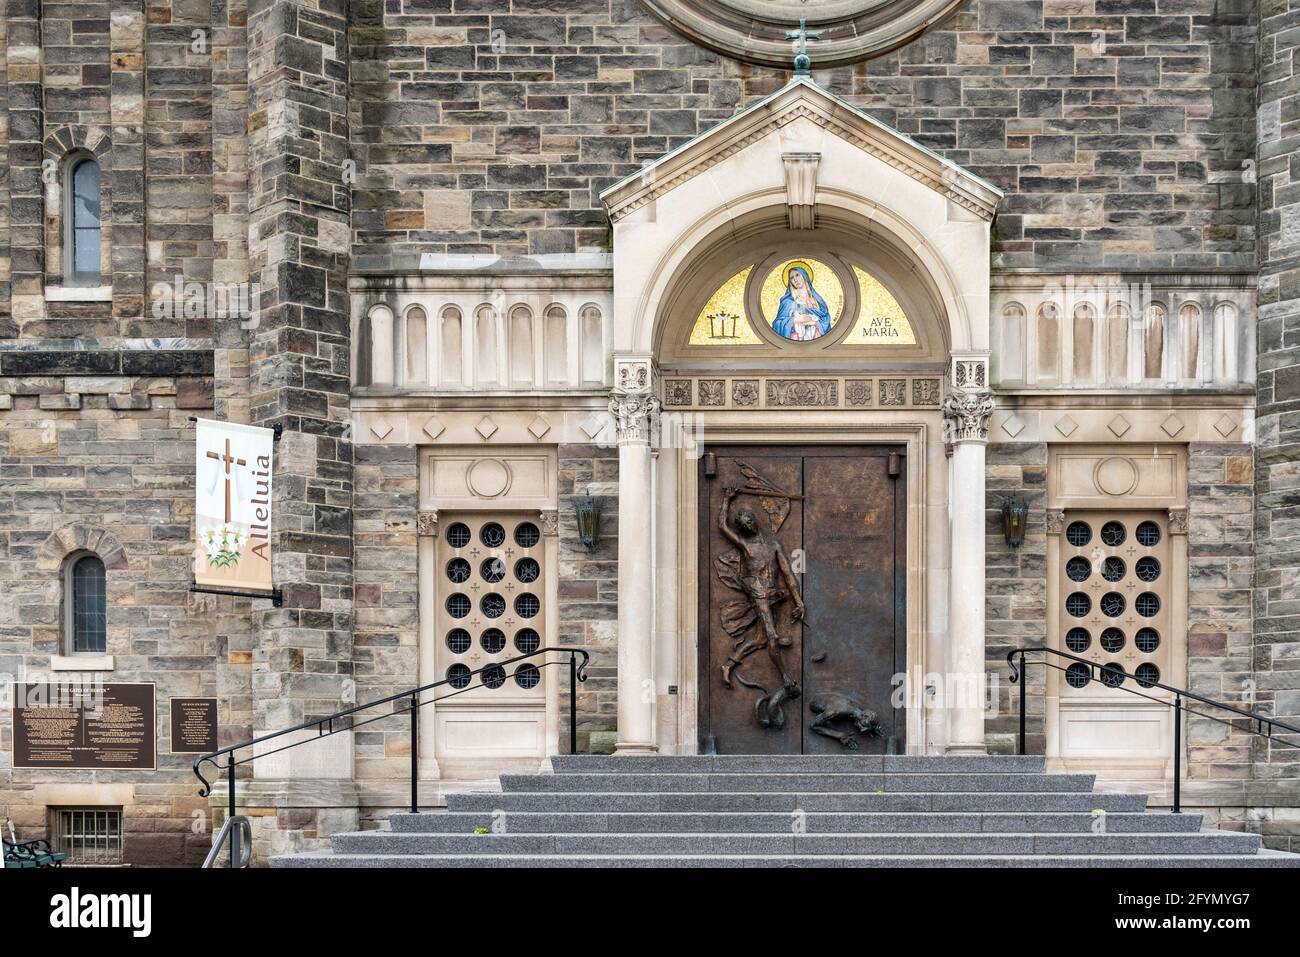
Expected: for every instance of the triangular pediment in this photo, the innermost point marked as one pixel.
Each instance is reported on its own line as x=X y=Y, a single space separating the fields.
x=800 y=99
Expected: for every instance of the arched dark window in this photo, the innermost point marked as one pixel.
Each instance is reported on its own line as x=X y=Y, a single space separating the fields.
x=87 y=606
x=83 y=222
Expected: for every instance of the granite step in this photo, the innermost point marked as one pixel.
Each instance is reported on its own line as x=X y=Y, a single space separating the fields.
x=867 y=844
x=1264 y=859
x=787 y=801
x=767 y=822
x=794 y=811
x=794 y=763
x=811 y=781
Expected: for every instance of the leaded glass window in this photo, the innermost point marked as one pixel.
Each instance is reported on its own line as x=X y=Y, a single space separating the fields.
x=89 y=606
x=83 y=228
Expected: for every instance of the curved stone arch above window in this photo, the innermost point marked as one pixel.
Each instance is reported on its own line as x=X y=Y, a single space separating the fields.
x=63 y=149
x=80 y=537
x=754 y=31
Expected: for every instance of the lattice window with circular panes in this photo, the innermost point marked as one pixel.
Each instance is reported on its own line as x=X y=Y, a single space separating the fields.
x=1115 y=598
x=492 y=576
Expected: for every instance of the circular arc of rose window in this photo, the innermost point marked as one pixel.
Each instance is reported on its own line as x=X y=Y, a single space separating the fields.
x=754 y=31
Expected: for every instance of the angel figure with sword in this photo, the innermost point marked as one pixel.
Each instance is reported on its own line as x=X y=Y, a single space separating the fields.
x=760 y=570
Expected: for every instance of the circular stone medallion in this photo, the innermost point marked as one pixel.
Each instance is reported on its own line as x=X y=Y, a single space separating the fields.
x=1116 y=476
x=754 y=31
x=488 y=478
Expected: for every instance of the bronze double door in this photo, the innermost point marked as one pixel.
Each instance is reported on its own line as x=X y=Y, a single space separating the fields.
x=827 y=522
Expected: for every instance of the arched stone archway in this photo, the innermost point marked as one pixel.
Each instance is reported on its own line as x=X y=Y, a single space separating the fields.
x=800 y=163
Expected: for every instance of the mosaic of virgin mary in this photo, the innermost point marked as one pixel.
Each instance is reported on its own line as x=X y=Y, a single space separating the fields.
x=802 y=315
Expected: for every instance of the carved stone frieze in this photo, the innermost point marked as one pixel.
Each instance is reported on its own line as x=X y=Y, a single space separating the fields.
x=804 y=393
x=678 y=392
x=713 y=392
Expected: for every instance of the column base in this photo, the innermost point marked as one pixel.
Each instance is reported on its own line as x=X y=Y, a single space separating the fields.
x=630 y=749
x=971 y=749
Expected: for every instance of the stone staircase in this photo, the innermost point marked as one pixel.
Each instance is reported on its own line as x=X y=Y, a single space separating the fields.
x=794 y=811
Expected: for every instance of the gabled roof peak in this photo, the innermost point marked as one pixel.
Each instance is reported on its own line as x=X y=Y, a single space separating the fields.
x=802 y=96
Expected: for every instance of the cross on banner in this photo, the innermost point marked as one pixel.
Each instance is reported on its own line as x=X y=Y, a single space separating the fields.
x=227 y=460
x=802 y=61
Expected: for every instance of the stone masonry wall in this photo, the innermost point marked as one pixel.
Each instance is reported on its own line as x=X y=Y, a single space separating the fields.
x=1016 y=590
x=1277 y=444
x=385 y=642
x=105 y=463
x=1221 y=570
x=1120 y=128
x=588 y=590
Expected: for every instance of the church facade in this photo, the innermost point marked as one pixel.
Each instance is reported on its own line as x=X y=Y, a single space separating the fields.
x=777 y=387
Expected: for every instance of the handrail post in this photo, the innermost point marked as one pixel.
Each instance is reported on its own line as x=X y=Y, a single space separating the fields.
x=230 y=808
x=415 y=754
x=1023 y=682
x=573 y=702
x=1178 y=753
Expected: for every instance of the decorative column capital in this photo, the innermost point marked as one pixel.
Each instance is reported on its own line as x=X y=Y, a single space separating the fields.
x=426 y=524
x=549 y=518
x=636 y=416
x=966 y=416
x=633 y=403
x=1179 y=520
x=1055 y=521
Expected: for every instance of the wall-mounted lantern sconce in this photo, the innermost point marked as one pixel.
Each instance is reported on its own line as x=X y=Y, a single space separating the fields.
x=1015 y=516
x=588 y=512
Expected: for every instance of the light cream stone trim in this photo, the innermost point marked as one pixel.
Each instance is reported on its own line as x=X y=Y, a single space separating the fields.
x=81 y=663
x=801 y=188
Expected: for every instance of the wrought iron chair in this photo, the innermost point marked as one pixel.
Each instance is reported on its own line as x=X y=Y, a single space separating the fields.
x=37 y=853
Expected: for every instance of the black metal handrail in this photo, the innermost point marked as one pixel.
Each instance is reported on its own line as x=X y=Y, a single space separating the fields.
x=1096 y=670
x=325 y=726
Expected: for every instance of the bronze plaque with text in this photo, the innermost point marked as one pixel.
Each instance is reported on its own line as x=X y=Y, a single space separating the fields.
x=194 y=725
x=91 y=726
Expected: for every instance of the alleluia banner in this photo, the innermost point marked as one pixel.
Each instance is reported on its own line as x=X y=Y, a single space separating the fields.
x=232 y=547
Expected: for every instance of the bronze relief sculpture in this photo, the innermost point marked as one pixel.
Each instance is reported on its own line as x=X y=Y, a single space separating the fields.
x=832 y=706
x=759 y=569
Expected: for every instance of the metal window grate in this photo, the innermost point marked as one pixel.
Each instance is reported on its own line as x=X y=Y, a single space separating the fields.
x=89 y=835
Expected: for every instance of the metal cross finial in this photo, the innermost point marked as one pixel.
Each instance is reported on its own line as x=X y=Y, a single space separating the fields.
x=802 y=61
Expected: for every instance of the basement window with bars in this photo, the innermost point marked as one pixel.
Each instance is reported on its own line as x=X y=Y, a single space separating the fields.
x=88 y=835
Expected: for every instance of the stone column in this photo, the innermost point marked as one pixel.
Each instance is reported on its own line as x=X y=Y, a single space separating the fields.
x=636 y=412
x=966 y=409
